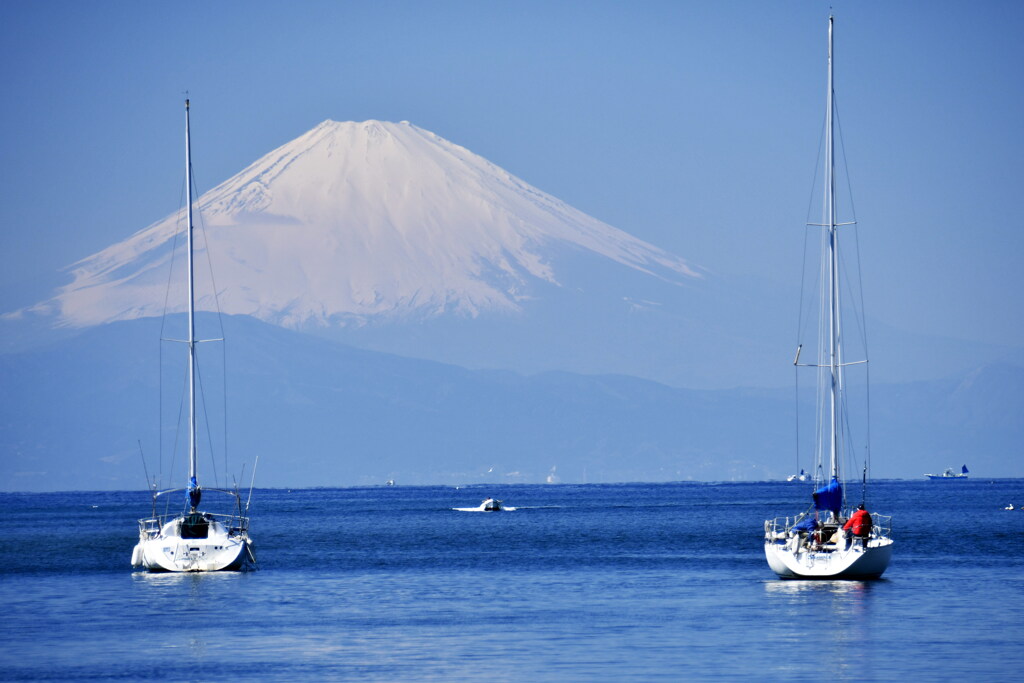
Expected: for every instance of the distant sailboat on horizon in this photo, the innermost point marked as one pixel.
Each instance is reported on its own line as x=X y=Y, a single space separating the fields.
x=814 y=544
x=194 y=540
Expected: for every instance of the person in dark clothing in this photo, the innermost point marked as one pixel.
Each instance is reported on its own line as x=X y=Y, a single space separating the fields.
x=806 y=531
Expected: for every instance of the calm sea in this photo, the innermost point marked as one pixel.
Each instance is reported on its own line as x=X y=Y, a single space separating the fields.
x=635 y=582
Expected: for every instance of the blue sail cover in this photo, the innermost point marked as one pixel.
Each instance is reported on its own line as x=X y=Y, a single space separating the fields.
x=829 y=497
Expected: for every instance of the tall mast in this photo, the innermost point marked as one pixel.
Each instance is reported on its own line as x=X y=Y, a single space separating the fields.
x=835 y=361
x=193 y=486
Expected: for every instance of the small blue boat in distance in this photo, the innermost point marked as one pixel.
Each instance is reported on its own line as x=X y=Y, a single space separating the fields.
x=950 y=473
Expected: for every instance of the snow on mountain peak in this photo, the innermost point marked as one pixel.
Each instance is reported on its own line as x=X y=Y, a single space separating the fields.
x=353 y=221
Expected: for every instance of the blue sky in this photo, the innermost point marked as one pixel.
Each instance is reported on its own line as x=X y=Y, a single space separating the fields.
x=691 y=125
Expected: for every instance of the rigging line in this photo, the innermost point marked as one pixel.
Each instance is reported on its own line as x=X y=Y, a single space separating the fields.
x=856 y=232
x=823 y=379
x=861 y=313
x=163 y=325
x=160 y=410
x=846 y=167
x=800 y=301
x=145 y=469
x=206 y=417
x=804 y=317
x=174 y=250
x=241 y=477
x=810 y=203
x=220 y=319
x=860 y=292
x=796 y=411
x=861 y=318
x=817 y=167
x=799 y=334
x=867 y=436
x=819 y=423
x=849 y=453
x=851 y=459
x=224 y=398
x=209 y=257
x=177 y=428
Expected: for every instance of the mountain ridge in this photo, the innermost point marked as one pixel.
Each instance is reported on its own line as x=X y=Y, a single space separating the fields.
x=318 y=412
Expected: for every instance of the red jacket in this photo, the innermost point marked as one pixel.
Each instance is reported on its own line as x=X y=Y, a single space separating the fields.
x=859 y=523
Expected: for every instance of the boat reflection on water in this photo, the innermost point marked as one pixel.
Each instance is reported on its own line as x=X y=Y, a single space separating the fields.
x=838 y=602
x=816 y=587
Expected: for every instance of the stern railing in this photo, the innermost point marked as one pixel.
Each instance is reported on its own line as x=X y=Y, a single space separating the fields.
x=236 y=525
x=781 y=528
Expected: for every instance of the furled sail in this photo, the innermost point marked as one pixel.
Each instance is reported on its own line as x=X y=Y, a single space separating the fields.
x=829 y=497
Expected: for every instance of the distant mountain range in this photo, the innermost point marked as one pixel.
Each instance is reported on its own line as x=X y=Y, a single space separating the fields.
x=318 y=412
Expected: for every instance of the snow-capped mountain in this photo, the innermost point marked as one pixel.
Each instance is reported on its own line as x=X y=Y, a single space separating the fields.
x=356 y=222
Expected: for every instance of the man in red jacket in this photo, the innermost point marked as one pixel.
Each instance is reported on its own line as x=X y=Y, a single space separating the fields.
x=859 y=524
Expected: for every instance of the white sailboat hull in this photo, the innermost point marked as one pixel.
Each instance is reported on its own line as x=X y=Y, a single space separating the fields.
x=852 y=563
x=167 y=551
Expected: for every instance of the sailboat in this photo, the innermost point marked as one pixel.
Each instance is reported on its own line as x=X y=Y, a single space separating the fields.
x=803 y=476
x=814 y=544
x=194 y=540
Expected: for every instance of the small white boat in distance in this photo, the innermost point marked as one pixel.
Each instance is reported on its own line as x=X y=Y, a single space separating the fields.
x=489 y=505
x=950 y=473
